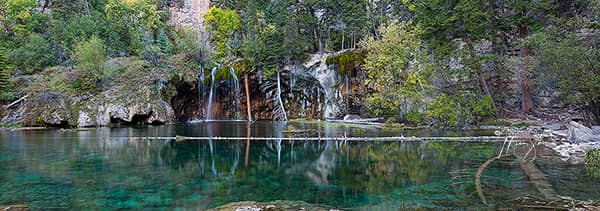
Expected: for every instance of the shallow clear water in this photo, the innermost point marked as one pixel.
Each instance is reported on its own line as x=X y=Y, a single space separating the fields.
x=106 y=169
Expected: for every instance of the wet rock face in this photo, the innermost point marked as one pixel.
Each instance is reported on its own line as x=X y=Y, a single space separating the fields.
x=343 y=93
x=328 y=78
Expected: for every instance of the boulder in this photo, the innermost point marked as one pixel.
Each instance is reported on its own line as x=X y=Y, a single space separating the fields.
x=579 y=133
x=596 y=130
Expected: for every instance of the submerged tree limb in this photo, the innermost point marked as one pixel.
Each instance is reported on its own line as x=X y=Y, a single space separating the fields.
x=478 y=175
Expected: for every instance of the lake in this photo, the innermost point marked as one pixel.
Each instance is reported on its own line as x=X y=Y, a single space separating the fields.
x=105 y=168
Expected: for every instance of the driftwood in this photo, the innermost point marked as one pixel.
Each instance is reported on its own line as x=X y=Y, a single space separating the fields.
x=17 y=101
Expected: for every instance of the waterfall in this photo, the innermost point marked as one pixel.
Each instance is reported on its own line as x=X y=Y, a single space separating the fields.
x=347 y=79
x=201 y=90
x=211 y=95
x=236 y=88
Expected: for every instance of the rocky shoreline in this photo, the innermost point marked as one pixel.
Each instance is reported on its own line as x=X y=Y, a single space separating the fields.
x=569 y=141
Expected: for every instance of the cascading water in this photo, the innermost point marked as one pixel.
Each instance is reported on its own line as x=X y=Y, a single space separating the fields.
x=201 y=90
x=347 y=81
x=236 y=88
x=211 y=95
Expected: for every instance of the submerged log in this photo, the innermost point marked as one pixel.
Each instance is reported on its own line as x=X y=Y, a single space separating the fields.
x=537 y=178
x=14 y=208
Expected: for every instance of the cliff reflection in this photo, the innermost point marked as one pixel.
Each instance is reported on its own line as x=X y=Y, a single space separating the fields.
x=108 y=169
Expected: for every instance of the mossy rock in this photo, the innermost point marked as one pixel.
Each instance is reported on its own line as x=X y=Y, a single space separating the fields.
x=347 y=60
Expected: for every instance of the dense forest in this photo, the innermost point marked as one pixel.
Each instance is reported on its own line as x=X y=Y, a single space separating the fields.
x=443 y=63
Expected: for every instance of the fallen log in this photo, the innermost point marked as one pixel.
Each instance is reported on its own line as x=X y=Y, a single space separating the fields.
x=300 y=131
x=399 y=138
x=371 y=121
x=17 y=101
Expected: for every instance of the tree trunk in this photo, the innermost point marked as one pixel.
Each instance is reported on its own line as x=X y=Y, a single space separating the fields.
x=343 y=37
x=318 y=39
x=279 y=97
x=247 y=155
x=527 y=103
x=246 y=87
x=482 y=82
x=328 y=39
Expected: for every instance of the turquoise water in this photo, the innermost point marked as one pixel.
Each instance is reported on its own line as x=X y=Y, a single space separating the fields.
x=106 y=169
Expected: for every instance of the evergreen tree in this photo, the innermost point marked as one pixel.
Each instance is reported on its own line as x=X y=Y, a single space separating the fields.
x=5 y=93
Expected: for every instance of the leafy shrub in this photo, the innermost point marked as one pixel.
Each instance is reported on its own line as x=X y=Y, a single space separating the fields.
x=592 y=163
x=459 y=110
x=444 y=109
x=383 y=106
x=91 y=58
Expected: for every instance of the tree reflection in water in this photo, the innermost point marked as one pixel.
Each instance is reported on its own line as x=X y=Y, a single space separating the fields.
x=106 y=169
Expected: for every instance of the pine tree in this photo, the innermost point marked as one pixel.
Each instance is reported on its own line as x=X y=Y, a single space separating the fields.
x=4 y=71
